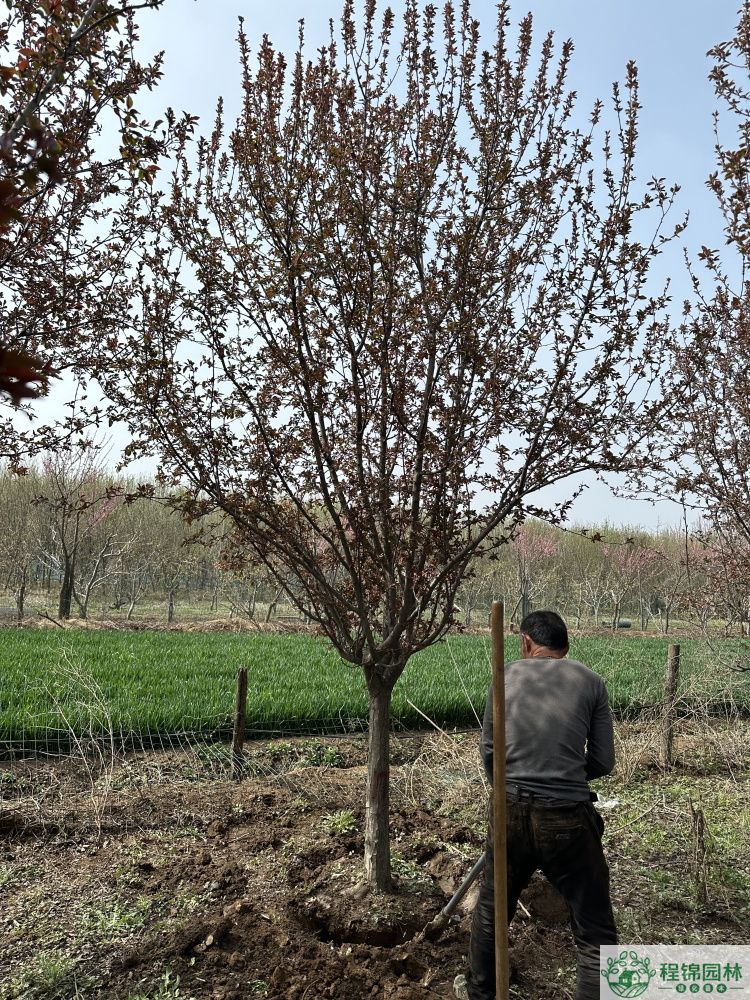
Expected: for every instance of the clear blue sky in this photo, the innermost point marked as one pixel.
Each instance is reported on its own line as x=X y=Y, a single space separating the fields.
x=667 y=38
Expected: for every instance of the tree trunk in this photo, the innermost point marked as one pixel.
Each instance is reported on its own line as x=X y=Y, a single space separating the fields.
x=525 y=603
x=272 y=605
x=377 y=838
x=170 y=608
x=615 y=614
x=66 y=594
x=21 y=597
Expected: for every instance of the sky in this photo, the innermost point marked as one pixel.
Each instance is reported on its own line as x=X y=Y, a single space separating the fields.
x=668 y=39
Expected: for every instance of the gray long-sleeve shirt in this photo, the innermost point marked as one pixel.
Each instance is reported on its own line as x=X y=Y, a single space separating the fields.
x=558 y=727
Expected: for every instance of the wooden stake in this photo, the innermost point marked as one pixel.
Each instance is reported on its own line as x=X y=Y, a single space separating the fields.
x=498 y=797
x=240 y=715
x=670 y=697
x=700 y=854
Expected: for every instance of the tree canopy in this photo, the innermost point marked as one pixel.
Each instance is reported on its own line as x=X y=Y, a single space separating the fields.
x=710 y=386
x=378 y=314
x=72 y=142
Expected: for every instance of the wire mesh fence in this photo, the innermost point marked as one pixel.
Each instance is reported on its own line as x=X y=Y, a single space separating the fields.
x=62 y=741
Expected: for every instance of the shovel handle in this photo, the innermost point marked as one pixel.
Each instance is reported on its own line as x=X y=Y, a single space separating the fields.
x=459 y=894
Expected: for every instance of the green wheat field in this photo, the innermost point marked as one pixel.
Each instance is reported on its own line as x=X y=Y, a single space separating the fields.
x=55 y=686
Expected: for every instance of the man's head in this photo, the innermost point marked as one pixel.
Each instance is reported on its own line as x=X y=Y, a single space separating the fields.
x=543 y=633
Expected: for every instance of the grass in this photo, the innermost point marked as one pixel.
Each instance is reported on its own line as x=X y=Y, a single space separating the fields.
x=168 y=988
x=115 y=920
x=53 y=683
x=50 y=976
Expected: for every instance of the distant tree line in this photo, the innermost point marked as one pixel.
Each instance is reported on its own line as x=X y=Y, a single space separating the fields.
x=81 y=542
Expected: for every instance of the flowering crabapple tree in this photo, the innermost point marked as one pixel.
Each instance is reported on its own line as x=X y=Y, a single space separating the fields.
x=381 y=311
x=710 y=427
x=67 y=68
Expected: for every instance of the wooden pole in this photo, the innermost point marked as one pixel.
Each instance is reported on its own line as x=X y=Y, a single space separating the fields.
x=699 y=855
x=240 y=715
x=670 y=697
x=498 y=798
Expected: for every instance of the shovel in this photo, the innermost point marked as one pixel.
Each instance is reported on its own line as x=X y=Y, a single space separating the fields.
x=435 y=928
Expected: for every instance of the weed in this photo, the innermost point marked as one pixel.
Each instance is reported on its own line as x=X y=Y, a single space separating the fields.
x=116 y=920
x=315 y=754
x=49 y=976
x=409 y=871
x=13 y=785
x=342 y=821
x=167 y=989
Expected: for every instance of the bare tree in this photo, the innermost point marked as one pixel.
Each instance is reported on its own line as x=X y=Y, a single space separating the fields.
x=630 y=567
x=79 y=499
x=397 y=300
x=20 y=533
x=534 y=548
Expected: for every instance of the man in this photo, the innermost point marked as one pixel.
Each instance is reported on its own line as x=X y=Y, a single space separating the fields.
x=558 y=736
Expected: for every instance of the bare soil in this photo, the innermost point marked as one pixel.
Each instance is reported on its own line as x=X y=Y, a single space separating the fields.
x=160 y=877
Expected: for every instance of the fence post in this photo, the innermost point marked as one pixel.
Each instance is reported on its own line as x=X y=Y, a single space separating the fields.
x=670 y=697
x=240 y=715
x=500 y=840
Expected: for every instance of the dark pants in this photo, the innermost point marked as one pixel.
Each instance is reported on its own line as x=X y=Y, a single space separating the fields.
x=565 y=842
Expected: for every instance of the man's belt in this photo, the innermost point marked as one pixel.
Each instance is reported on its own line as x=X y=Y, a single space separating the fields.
x=515 y=793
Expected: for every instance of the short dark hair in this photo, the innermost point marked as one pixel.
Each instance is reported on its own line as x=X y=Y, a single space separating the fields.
x=545 y=628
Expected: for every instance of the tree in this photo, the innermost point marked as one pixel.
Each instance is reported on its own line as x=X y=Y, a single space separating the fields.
x=586 y=570
x=20 y=537
x=477 y=588
x=672 y=574
x=710 y=429
x=394 y=303
x=65 y=66
x=80 y=500
x=631 y=566
x=534 y=548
